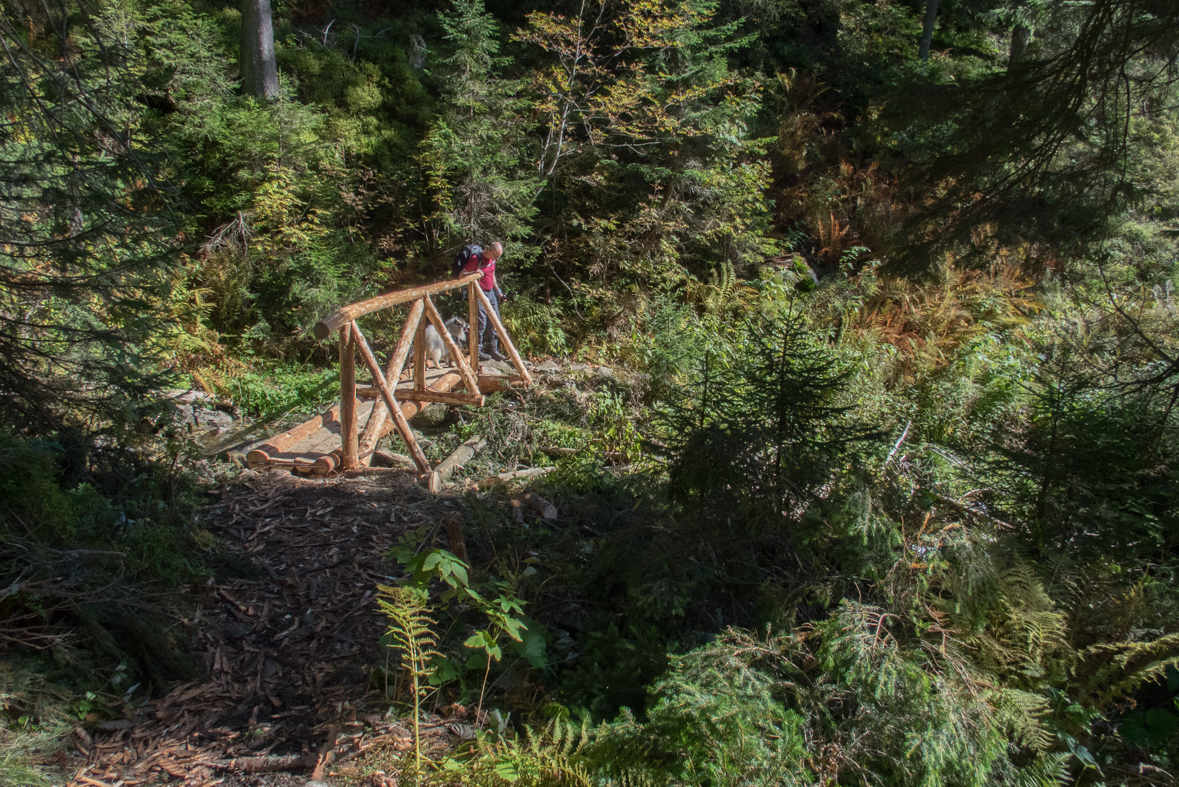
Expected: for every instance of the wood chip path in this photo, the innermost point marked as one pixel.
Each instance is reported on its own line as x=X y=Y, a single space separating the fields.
x=291 y=655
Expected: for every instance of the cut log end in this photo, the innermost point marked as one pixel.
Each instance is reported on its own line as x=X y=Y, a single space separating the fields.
x=257 y=459
x=542 y=507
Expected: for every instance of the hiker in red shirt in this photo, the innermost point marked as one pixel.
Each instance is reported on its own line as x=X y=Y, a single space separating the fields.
x=484 y=262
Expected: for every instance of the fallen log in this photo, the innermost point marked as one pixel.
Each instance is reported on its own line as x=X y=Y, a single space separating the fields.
x=459 y=457
x=268 y=764
x=239 y=452
x=446 y=397
x=490 y=383
x=517 y=475
x=388 y=459
x=608 y=457
x=328 y=463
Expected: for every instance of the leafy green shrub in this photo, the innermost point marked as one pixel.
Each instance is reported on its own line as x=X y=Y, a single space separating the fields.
x=274 y=391
x=537 y=328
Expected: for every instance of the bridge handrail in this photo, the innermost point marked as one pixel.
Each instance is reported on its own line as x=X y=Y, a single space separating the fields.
x=346 y=314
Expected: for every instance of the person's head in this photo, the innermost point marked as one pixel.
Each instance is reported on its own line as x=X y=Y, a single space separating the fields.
x=494 y=251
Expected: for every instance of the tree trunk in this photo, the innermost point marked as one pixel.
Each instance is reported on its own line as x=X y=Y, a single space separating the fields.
x=927 y=29
x=1021 y=36
x=259 y=71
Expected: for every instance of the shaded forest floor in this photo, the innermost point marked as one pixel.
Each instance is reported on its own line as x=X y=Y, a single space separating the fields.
x=288 y=634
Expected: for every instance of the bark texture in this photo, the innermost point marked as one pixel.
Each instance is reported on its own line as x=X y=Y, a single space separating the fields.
x=1021 y=36
x=927 y=29
x=259 y=70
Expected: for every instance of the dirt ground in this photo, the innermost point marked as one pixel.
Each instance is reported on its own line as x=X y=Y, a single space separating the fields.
x=288 y=633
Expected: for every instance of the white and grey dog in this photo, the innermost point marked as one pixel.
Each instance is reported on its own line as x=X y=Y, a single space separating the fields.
x=436 y=348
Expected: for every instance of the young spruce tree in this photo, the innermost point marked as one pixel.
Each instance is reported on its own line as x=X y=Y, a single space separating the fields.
x=766 y=437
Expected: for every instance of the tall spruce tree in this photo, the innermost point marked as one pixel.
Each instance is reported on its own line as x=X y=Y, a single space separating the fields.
x=480 y=183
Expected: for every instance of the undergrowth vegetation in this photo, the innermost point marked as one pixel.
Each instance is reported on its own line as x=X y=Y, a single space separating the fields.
x=951 y=566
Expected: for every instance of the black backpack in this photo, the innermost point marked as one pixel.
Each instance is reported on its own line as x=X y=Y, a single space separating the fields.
x=463 y=257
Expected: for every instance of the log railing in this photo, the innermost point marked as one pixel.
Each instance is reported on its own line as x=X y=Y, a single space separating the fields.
x=356 y=445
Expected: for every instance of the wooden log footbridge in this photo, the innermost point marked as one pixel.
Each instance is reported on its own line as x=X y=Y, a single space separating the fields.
x=333 y=441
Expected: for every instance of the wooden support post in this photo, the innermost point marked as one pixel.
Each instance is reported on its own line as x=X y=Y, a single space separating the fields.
x=419 y=358
x=518 y=475
x=473 y=323
x=469 y=379
x=348 y=437
x=374 y=427
x=410 y=408
x=503 y=337
x=370 y=360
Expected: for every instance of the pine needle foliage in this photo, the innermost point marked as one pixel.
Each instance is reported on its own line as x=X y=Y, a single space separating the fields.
x=696 y=428
x=1044 y=151
x=84 y=219
x=719 y=720
x=1083 y=470
x=901 y=720
x=845 y=701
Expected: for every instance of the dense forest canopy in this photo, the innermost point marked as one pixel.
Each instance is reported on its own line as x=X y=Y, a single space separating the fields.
x=892 y=283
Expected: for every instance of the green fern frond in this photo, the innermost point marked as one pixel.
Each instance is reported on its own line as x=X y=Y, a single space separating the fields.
x=544 y=758
x=1022 y=713
x=410 y=627
x=411 y=633
x=1112 y=670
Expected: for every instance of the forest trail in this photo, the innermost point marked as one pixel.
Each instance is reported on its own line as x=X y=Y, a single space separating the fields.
x=287 y=634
